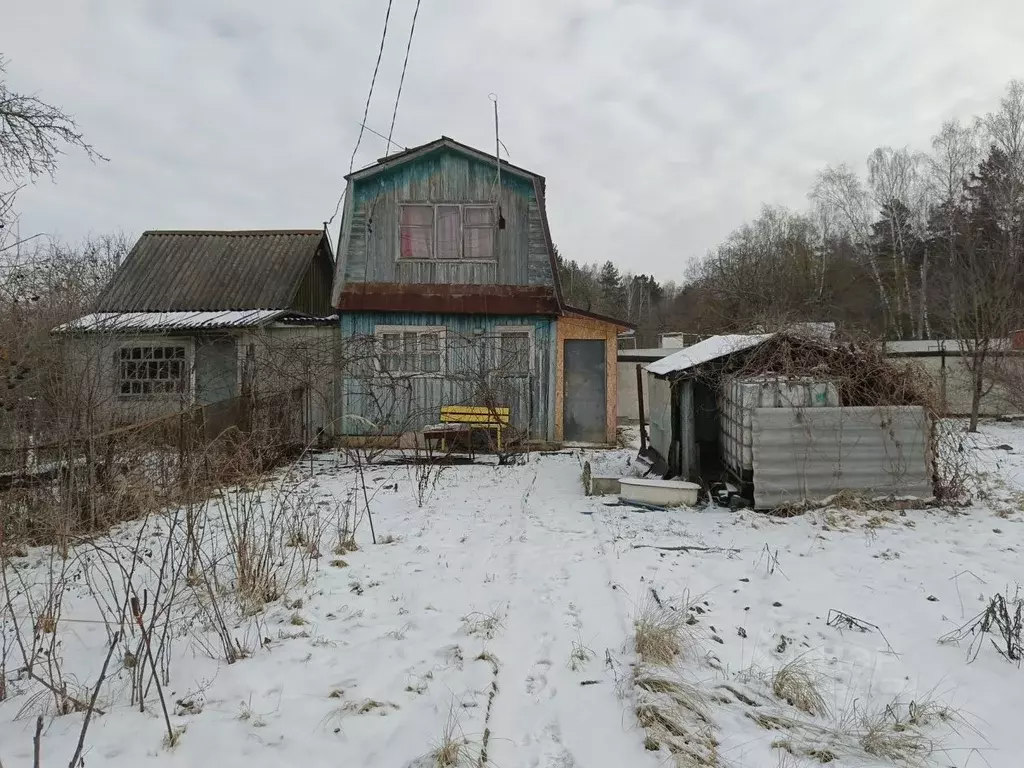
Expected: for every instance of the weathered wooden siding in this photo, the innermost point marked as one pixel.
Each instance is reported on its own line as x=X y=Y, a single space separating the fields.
x=313 y=295
x=579 y=327
x=370 y=236
x=374 y=404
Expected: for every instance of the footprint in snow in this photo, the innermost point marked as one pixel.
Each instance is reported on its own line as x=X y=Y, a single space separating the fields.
x=556 y=755
x=537 y=681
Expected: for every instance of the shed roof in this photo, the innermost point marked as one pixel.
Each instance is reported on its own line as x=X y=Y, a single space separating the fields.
x=705 y=351
x=195 y=271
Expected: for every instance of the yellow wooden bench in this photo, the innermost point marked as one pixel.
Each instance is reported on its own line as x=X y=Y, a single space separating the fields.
x=465 y=418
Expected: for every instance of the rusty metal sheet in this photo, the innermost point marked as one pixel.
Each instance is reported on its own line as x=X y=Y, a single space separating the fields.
x=446 y=298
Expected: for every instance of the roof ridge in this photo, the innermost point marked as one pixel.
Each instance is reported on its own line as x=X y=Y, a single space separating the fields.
x=233 y=232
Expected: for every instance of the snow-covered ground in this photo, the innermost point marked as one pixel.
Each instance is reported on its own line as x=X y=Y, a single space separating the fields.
x=502 y=614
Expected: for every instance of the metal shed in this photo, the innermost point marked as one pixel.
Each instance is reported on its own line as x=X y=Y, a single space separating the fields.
x=781 y=439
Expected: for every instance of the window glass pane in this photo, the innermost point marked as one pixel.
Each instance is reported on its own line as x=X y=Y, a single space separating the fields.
x=430 y=352
x=410 y=340
x=417 y=216
x=479 y=243
x=429 y=342
x=515 y=353
x=430 y=363
x=479 y=216
x=449 y=231
x=417 y=242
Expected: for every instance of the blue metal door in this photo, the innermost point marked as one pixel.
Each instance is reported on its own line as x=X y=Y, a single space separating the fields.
x=584 y=397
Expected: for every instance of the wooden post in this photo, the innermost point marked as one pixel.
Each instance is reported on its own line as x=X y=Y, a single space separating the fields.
x=640 y=398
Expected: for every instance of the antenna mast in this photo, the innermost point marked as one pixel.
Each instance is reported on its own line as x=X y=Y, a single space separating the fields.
x=497 y=159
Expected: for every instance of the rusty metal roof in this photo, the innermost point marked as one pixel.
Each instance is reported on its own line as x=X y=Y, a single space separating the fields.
x=450 y=298
x=194 y=271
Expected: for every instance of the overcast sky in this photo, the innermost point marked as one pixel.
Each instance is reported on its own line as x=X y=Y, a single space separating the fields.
x=661 y=125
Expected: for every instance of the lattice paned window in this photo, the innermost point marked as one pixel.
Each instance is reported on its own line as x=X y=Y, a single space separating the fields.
x=410 y=350
x=152 y=370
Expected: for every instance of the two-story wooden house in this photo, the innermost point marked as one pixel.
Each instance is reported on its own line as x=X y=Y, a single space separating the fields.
x=448 y=294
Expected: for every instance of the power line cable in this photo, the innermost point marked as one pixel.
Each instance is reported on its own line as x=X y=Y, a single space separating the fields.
x=366 y=109
x=401 y=82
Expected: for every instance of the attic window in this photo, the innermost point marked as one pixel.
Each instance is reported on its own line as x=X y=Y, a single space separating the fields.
x=448 y=232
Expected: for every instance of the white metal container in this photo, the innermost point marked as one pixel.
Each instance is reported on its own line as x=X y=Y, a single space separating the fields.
x=740 y=396
x=662 y=493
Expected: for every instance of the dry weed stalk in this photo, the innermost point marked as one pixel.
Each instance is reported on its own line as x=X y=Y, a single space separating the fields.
x=1002 y=622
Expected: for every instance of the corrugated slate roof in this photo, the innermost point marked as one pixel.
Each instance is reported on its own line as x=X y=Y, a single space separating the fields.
x=168 y=321
x=174 y=271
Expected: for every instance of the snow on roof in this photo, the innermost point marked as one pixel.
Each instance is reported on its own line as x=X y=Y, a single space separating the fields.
x=167 y=321
x=704 y=351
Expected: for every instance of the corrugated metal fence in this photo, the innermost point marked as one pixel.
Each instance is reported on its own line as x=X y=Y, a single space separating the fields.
x=810 y=453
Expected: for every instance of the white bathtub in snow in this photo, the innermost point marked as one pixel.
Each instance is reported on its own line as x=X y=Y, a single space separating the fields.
x=662 y=493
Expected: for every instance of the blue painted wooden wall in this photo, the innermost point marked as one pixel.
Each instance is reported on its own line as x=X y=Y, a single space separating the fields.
x=371 y=400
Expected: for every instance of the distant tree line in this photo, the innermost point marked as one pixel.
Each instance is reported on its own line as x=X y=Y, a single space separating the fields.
x=915 y=245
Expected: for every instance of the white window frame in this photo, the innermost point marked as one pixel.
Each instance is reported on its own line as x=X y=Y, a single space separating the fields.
x=500 y=331
x=381 y=330
x=462 y=232
x=188 y=379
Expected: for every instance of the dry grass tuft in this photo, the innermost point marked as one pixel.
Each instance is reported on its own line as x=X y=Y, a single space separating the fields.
x=798 y=684
x=453 y=750
x=882 y=735
x=675 y=715
x=660 y=632
x=346 y=544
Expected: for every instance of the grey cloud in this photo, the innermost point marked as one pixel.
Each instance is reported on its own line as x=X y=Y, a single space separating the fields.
x=660 y=126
